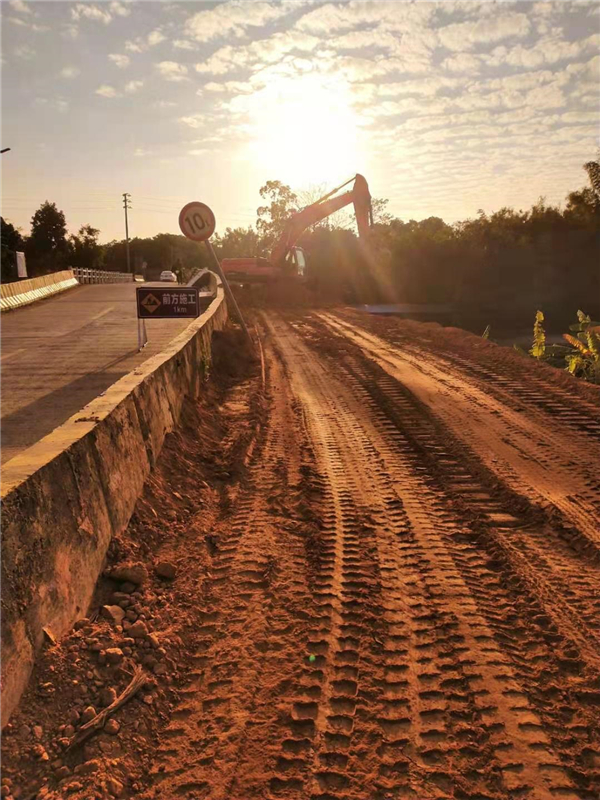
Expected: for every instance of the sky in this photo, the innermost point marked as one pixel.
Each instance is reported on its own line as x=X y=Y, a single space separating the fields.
x=444 y=107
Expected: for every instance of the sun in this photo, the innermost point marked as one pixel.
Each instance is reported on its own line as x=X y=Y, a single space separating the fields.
x=304 y=131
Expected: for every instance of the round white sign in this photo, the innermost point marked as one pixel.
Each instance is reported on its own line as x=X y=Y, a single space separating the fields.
x=197 y=221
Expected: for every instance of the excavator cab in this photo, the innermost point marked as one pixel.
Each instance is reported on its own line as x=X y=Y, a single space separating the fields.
x=296 y=262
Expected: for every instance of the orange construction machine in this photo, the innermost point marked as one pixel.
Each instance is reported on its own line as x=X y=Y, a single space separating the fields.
x=286 y=258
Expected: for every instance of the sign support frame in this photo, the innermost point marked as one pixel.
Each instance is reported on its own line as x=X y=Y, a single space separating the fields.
x=142 y=335
x=228 y=293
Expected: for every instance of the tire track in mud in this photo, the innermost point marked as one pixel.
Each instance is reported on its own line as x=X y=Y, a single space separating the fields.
x=521 y=450
x=252 y=623
x=466 y=709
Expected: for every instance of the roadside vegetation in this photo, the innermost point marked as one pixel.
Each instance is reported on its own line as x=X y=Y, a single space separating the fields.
x=580 y=356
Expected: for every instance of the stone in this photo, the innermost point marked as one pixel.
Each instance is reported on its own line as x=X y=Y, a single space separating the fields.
x=129 y=572
x=128 y=588
x=74 y=716
x=24 y=731
x=69 y=730
x=131 y=615
x=164 y=569
x=114 y=655
x=81 y=623
x=160 y=669
x=115 y=787
x=112 y=727
x=38 y=731
x=40 y=753
x=63 y=773
x=88 y=713
x=113 y=613
x=108 y=696
x=138 y=630
x=154 y=640
x=88 y=767
x=148 y=699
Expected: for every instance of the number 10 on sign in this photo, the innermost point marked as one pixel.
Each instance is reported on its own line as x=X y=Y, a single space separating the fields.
x=197 y=221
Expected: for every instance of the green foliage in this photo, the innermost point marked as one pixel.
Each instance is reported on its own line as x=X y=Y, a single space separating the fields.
x=47 y=248
x=538 y=348
x=582 y=357
x=85 y=250
x=11 y=243
x=272 y=217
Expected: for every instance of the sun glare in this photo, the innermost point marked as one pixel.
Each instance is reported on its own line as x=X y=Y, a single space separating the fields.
x=304 y=131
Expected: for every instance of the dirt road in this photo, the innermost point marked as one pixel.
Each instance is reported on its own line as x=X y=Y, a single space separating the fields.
x=399 y=594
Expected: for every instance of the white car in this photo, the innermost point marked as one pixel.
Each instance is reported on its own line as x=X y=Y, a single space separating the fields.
x=167 y=275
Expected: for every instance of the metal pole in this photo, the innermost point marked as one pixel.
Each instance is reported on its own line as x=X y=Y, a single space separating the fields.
x=228 y=292
x=126 y=206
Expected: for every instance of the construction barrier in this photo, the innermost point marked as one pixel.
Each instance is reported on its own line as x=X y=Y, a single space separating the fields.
x=65 y=498
x=22 y=293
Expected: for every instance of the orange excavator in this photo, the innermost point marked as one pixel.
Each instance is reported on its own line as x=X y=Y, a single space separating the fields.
x=287 y=260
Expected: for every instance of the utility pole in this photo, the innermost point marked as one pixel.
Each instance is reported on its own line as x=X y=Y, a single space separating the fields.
x=126 y=206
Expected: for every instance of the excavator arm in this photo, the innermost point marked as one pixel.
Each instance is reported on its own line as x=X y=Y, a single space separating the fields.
x=359 y=195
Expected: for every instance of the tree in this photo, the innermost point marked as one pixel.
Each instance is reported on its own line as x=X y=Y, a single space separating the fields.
x=85 y=250
x=47 y=247
x=12 y=242
x=272 y=217
x=238 y=243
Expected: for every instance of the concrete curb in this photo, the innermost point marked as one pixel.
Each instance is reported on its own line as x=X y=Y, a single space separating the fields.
x=23 y=293
x=65 y=498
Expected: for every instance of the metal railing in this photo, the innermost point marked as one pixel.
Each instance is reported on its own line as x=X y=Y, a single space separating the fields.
x=101 y=276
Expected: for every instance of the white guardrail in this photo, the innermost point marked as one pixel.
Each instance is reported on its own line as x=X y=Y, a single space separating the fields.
x=102 y=276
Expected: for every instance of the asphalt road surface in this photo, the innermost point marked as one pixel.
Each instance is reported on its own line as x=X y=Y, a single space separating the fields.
x=59 y=354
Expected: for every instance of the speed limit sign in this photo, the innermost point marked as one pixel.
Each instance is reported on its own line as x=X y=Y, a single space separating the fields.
x=197 y=221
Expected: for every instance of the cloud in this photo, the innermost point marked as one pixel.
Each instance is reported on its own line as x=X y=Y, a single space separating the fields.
x=69 y=72
x=20 y=7
x=466 y=35
x=261 y=52
x=462 y=62
x=25 y=52
x=119 y=9
x=172 y=71
x=384 y=15
x=56 y=103
x=119 y=60
x=194 y=120
x=90 y=11
x=156 y=37
x=183 y=44
x=142 y=44
x=547 y=50
x=107 y=91
x=233 y=18
x=141 y=152
x=133 y=86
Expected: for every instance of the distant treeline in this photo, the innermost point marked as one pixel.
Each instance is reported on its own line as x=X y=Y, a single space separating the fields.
x=496 y=269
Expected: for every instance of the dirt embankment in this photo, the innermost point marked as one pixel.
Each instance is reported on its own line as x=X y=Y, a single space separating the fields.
x=381 y=580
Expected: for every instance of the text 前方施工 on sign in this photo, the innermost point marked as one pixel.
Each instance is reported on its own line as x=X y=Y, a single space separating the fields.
x=171 y=303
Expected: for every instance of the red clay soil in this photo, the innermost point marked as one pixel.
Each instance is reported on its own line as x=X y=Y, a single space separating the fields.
x=379 y=547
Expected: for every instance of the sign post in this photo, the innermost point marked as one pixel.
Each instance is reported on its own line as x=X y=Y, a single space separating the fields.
x=165 y=303
x=197 y=222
